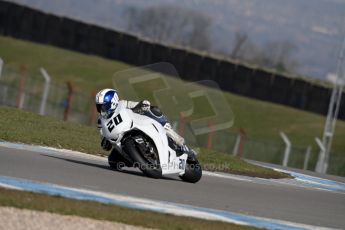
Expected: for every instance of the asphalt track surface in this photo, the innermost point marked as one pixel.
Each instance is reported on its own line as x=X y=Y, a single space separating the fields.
x=269 y=200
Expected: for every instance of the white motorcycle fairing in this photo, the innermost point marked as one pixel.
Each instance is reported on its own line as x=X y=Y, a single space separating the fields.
x=125 y=120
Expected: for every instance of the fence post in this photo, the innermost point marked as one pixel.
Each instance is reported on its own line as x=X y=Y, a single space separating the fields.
x=210 y=134
x=306 y=158
x=237 y=145
x=4 y=90
x=21 y=88
x=241 y=145
x=70 y=87
x=93 y=109
x=182 y=124
x=45 y=90
x=322 y=155
x=287 y=149
x=1 y=65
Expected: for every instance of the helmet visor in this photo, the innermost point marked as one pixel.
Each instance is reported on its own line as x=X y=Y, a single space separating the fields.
x=103 y=107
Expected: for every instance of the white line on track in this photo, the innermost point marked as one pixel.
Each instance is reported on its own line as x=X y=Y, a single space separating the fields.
x=134 y=202
x=301 y=180
x=226 y=176
x=151 y=205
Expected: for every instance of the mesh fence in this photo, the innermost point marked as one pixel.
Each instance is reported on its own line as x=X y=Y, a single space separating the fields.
x=336 y=165
x=268 y=151
x=263 y=151
x=26 y=92
x=82 y=111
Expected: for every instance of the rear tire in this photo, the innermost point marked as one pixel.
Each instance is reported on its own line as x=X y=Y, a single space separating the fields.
x=193 y=171
x=147 y=168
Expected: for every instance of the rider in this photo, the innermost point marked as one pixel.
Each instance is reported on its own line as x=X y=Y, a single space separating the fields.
x=106 y=102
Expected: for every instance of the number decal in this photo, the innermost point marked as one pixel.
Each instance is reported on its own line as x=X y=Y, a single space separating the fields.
x=110 y=125
x=117 y=120
x=182 y=164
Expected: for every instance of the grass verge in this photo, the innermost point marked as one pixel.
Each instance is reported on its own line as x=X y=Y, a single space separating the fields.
x=30 y=128
x=216 y=161
x=261 y=120
x=98 y=211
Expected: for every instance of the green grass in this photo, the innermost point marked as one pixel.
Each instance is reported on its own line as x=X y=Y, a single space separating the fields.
x=94 y=210
x=30 y=128
x=261 y=120
x=215 y=161
x=88 y=72
x=265 y=120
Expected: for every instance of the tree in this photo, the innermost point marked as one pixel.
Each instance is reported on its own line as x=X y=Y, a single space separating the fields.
x=241 y=39
x=276 y=55
x=170 y=24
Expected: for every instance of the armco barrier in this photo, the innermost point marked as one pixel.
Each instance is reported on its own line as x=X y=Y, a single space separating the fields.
x=112 y=44
x=342 y=106
x=145 y=53
x=319 y=100
x=30 y=24
x=208 y=69
x=39 y=32
x=226 y=75
x=95 y=43
x=298 y=94
x=262 y=84
x=52 y=32
x=159 y=53
x=178 y=57
x=243 y=80
x=129 y=47
x=280 y=89
x=191 y=67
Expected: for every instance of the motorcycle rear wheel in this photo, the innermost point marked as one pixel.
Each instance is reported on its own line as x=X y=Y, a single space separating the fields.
x=193 y=171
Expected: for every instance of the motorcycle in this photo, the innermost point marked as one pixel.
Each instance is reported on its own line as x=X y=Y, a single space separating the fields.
x=140 y=141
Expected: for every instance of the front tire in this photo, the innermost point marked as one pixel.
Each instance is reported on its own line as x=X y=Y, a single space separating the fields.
x=116 y=161
x=149 y=169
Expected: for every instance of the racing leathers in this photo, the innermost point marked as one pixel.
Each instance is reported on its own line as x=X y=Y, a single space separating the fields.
x=142 y=107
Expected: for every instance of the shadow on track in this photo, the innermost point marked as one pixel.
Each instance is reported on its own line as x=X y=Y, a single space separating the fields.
x=135 y=173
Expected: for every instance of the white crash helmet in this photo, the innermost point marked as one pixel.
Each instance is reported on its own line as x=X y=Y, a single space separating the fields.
x=107 y=101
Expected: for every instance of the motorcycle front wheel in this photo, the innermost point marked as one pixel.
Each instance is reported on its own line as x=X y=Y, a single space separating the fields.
x=148 y=164
x=116 y=161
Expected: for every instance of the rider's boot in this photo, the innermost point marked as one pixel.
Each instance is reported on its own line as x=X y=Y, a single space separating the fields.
x=178 y=142
x=184 y=149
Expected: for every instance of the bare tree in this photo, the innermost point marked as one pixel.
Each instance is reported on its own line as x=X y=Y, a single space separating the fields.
x=275 y=55
x=171 y=24
x=278 y=55
x=240 y=41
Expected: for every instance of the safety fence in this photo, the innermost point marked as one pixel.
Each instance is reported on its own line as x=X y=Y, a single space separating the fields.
x=65 y=102
x=243 y=146
x=249 y=81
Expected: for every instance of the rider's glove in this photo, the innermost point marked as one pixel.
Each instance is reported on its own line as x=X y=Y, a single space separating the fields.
x=145 y=105
x=99 y=123
x=106 y=145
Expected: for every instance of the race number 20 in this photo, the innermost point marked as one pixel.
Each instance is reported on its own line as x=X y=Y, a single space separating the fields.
x=113 y=122
x=182 y=164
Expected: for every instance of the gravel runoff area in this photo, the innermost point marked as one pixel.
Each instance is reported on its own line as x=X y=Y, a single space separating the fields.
x=18 y=219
